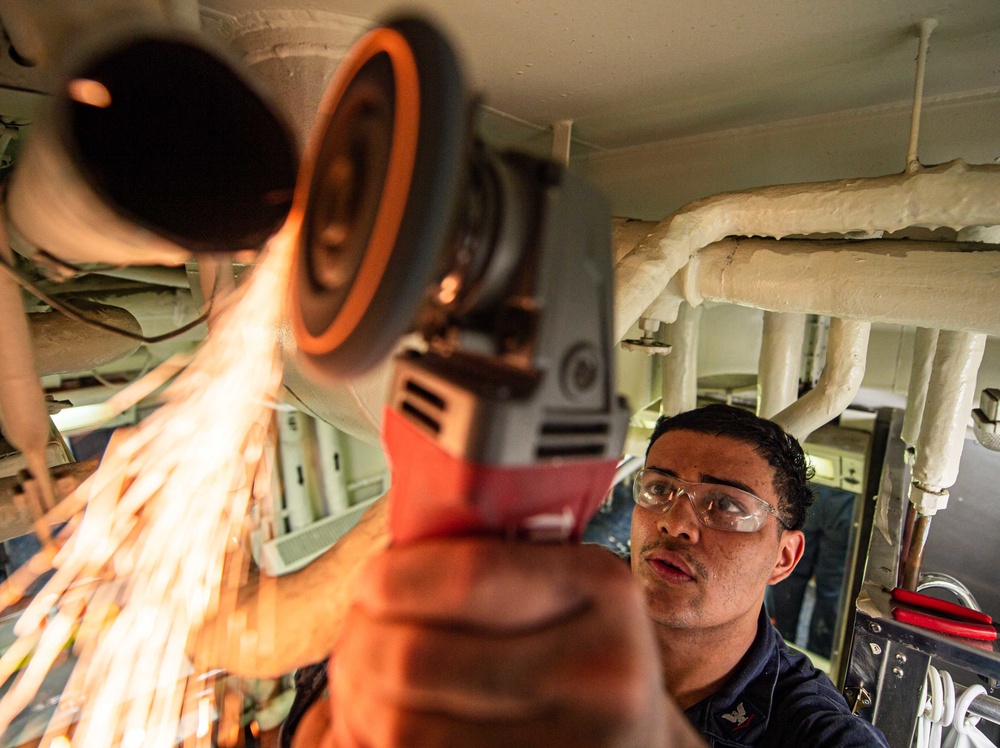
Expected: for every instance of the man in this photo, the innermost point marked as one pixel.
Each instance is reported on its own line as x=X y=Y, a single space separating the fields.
x=484 y=642
x=703 y=566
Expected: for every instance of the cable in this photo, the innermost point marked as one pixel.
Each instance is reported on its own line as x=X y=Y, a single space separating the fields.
x=79 y=316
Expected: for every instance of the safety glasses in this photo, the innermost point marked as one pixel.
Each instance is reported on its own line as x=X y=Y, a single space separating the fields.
x=715 y=505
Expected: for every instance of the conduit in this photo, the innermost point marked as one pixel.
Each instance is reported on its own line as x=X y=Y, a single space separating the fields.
x=953 y=195
x=780 y=362
x=680 y=368
x=846 y=354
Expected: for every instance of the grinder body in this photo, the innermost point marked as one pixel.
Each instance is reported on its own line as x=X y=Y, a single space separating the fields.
x=505 y=417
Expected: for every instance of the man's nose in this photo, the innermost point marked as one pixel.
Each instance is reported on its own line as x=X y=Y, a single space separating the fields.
x=679 y=520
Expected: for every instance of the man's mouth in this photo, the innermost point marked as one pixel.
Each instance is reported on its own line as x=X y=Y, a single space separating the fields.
x=670 y=567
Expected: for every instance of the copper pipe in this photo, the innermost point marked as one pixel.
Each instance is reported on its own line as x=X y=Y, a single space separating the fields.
x=904 y=545
x=915 y=556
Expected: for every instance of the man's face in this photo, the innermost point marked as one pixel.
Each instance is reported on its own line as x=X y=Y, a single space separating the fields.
x=694 y=576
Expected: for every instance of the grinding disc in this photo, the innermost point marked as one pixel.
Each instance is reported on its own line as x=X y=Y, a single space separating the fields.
x=377 y=191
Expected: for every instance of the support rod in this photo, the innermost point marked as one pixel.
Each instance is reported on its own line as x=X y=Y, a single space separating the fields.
x=927 y=26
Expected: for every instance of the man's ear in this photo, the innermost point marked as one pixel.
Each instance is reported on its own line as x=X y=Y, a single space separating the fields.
x=790 y=547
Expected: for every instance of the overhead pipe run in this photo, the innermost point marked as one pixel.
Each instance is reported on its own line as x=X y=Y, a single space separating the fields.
x=780 y=362
x=953 y=195
x=846 y=355
x=934 y=284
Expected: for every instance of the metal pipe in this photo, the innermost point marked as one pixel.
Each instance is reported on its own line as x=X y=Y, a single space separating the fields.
x=846 y=356
x=983 y=706
x=955 y=195
x=780 y=361
x=915 y=554
x=943 y=286
x=927 y=26
x=680 y=368
x=924 y=345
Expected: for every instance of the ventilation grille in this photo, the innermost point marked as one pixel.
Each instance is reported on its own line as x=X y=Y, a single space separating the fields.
x=291 y=552
x=561 y=439
x=423 y=406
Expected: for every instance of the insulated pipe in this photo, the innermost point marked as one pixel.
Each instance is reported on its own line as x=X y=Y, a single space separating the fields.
x=295 y=51
x=680 y=368
x=846 y=355
x=924 y=344
x=954 y=195
x=934 y=284
x=62 y=345
x=951 y=392
x=780 y=361
x=23 y=413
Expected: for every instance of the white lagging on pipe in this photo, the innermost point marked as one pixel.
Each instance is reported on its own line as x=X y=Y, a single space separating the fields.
x=846 y=355
x=924 y=345
x=680 y=368
x=953 y=195
x=780 y=362
x=951 y=391
x=933 y=285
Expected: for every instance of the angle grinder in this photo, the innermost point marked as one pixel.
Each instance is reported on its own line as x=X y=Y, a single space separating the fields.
x=504 y=417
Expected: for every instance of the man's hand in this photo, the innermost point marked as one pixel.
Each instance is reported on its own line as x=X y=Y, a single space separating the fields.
x=481 y=642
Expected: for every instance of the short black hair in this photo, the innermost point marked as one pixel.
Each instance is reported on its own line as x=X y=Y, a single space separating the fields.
x=781 y=451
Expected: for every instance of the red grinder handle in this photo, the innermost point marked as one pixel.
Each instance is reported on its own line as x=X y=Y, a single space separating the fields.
x=435 y=494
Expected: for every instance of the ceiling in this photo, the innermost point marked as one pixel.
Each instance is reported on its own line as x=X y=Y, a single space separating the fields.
x=641 y=71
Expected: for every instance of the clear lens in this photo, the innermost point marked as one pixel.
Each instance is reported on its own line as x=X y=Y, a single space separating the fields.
x=717 y=506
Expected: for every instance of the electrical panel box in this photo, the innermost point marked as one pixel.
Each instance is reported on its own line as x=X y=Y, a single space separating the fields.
x=839 y=456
